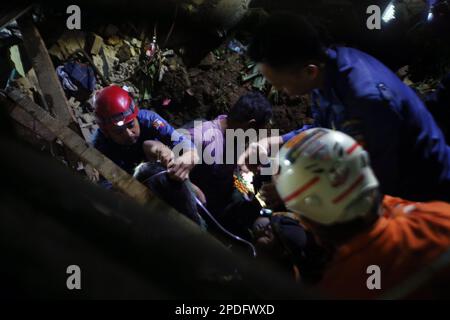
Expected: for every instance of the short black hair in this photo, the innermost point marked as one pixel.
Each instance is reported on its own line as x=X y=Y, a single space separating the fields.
x=146 y=170
x=250 y=106
x=284 y=40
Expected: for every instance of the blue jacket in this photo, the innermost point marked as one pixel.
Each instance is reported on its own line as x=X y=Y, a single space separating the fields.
x=153 y=127
x=366 y=100
x=438 y=103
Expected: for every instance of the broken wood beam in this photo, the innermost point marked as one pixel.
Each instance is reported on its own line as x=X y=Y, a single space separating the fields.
x=31 y=126
x=25 y=119
x=45 y=70
x=13 y=14
x=120 y=179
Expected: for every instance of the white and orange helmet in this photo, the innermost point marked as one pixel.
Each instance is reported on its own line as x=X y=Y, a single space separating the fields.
x=325 y=176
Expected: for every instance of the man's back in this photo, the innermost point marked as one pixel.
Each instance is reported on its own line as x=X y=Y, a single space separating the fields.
x=407 y=149
x=213 y=176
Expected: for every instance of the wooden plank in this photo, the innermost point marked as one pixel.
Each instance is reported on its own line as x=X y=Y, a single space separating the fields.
x=26 y=120
x=13 y=14
x=49 y=84
x=45 y=71
x=35 y=128
x=120 y=179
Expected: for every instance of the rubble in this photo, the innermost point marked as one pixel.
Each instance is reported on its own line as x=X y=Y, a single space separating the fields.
x=107 y=60
x=208 y=61
x=96 y=44
x=113 y=41
x=137 y=43
x=131 y=47
x=86 y=120
x=124 y=53
x=23 y=84
x=165 y=84
x=68 y=44
x=123 y=72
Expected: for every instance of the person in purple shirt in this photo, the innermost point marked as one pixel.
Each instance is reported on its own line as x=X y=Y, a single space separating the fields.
x=214 y=177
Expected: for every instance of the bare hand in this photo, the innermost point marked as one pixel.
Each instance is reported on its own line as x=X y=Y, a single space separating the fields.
x=155 y=150
x=270 y=196
x=257 y=154
x=180 y=167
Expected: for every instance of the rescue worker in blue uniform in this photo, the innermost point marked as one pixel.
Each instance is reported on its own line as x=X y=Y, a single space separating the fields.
x=129 y=136
x=355 y=93
x=152 y=127
x=438 y=103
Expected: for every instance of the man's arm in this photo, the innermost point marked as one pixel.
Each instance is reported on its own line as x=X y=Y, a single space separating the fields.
x=259 y=150
x=180 y=166
x=157 y=151
x=267 y=144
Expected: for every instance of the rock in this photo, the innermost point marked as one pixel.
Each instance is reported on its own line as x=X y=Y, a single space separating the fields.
x=110 y=30
x=123 y=71
x=96 y=44
x=67 y=44
x=124 y=53
x=208 y=61
x=136 y=43
x=88 y=118
x=173 y=66
x=114 y=41
x=194 y=72
x=24 y=85
x=403 y=72
x=98 y=61
x=168 y=53
x=73 y=103
x=106 y=60
x=133 y=51
x=408 y=81
x=56 y=52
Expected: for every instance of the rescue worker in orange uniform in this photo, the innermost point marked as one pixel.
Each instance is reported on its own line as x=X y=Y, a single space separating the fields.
x=376 y=243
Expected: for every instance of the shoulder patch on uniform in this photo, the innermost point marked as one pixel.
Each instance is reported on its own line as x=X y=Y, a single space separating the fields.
x=157 y=124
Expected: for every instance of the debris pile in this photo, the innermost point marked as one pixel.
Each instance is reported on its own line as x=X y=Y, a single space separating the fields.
x=158 y=78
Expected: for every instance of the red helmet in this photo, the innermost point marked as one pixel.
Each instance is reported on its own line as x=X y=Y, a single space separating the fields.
x=114 y=106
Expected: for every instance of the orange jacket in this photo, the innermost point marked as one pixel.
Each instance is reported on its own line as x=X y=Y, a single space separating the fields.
x=407 y=237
